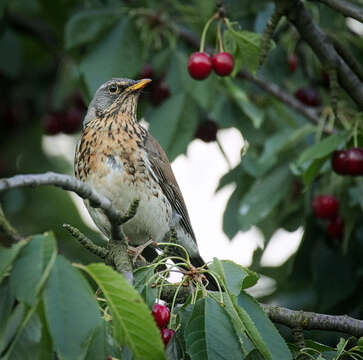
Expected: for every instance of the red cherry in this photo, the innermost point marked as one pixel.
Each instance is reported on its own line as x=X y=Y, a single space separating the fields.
x=223 y=63
x=354 y=161
x=199 y=65
x=336 y=227
x=166 y=335
x=308 y=96
x=160 y=92
x=325 y=206
x=325 y=78
x=72 y=120
x=53 y=123
x=147 y=72
x=339 y=162
x=292 y=61
x=207 y=131
x=161 y=315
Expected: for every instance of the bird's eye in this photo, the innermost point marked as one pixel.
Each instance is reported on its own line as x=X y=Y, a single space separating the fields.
x=113 y=89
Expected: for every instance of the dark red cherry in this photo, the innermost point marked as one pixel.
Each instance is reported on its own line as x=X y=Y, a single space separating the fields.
x=161 y=315
x=354 y=161
x=159 y=92
x=325 y=206
x=339 y=162
x=336 y=227
x=292 y=61
x=166 y=335
x=308 y=96
x=223 y=63
x=53 y=122
x=199 y=65
x=72 y=120
x=207 y=131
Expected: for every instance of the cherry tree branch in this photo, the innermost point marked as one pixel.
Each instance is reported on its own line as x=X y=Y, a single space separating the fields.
x=346 y=8
x=117 y=255
x=314 y=321
x=324 y=49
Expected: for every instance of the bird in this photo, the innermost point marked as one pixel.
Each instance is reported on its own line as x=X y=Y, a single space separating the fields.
x=121 y=160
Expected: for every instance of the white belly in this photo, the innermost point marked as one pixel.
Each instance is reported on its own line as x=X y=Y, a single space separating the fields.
x=153 y=216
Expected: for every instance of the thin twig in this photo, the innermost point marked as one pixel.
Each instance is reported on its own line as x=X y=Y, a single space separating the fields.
x=87 y=243
x=7 y=229
x=282 y=95
x=346 y=8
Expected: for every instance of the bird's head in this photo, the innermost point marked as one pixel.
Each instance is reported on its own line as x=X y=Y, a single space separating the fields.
x=117 y=95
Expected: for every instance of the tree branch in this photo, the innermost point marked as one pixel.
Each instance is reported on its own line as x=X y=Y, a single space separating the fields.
x=282 y=95
x=314 y=321
x=346 y=8
x=117 y=255
x=300 y=17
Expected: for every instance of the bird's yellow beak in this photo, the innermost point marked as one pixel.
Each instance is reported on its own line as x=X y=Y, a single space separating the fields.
x=139 y=85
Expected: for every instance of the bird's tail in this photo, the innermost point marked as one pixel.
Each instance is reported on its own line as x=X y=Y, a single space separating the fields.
x=197 y=261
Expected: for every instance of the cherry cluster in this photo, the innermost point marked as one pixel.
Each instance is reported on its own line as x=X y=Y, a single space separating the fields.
x=348 y=162
x=67 y=120
x=200 y=64
x=327 y=207
x=161 y=316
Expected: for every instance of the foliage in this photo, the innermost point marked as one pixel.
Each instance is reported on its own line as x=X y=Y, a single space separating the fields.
x=54 y=50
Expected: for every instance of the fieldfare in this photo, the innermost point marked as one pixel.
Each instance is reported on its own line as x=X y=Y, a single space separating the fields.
x=122 y=161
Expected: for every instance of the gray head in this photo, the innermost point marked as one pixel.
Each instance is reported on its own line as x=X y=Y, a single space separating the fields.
x=117 y=94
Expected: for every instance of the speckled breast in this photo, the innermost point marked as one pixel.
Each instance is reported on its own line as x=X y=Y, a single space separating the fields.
x=115 y=167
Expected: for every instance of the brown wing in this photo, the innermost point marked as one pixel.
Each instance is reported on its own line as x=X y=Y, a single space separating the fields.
x=162 y=170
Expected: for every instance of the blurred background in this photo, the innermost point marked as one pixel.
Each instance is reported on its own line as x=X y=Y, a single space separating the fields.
x=254 y=209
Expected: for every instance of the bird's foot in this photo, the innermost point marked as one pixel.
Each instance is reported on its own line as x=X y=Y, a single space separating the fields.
x=136 y=251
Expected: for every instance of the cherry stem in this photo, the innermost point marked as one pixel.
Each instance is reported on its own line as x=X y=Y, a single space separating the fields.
x=219 y=36
x=204 y=33
x=355 y=134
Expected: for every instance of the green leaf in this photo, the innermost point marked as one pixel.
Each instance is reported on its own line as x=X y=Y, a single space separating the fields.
x=268 y=332
x=230 y=216
x=323 y=148
x=28 y=346
x=71 y=310
x=111 y=56
x=173 y=124
x=11 y=53
x=7 y=256
x=143 y=286
x=331 y=269
x=103 y=344
x=205 y=340
x=247 y=107
x=132 y=320
x=6 y=306
x=263 y=196
x=246 y=45
x=88 y=25
x=9 y=329
x=32 y=267
x=313 y=170
x=235 y=277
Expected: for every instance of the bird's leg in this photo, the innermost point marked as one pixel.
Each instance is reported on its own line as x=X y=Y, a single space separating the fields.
x=136 y=251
